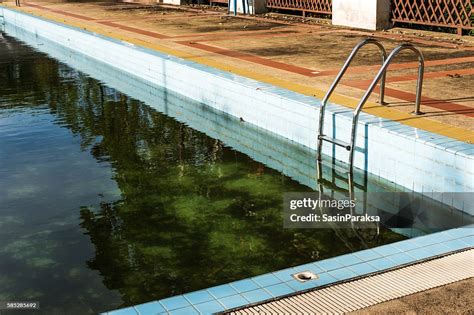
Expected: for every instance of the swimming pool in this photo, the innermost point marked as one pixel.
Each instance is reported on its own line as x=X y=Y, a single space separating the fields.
x=108 y=201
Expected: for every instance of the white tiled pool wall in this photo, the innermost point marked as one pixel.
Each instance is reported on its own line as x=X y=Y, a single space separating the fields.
x=415 y=159
x=291 y=158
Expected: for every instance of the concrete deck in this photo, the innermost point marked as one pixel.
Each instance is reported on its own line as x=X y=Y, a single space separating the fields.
x=303 y=57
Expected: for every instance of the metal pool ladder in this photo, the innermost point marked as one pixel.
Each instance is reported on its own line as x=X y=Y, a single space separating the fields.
x=350 y=146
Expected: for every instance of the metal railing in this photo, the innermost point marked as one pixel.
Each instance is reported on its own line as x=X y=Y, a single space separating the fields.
x=446 y=13
x=339 y=76
x=381 y=74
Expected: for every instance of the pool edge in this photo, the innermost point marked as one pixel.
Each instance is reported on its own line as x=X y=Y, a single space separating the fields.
x=279 y=284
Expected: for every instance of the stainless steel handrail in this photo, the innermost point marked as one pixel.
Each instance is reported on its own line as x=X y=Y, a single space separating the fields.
x=339 y=76
x=381 y=74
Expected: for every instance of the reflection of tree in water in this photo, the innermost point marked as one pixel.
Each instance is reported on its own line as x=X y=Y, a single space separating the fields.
x=25 y=78
x=192 y=212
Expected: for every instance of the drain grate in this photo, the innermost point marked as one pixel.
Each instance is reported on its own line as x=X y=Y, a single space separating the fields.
x=365 y=292
x=305 y=276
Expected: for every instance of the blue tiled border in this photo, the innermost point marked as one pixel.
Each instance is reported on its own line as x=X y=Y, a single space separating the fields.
x=330 y=271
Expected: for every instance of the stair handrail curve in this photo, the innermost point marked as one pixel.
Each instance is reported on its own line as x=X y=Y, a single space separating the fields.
x=381 y=74
x=338 y=78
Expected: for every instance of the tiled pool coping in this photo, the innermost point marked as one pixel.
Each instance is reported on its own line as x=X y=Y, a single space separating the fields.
x=280 y=283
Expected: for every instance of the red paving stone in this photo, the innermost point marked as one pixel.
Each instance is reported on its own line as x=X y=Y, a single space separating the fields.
x=77 y=16
x=153 y=18
x=398 y=66
x=425 y=101
x=135 y=30
x=251 y=58
x=231 y=35
x=427 y=75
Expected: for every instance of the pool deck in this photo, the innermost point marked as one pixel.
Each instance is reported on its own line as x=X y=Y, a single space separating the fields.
x=302 y=57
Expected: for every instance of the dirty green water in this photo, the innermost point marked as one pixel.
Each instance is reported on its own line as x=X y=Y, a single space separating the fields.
x=104 y=202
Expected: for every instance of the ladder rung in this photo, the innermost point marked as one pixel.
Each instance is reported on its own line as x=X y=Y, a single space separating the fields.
x=340 y=143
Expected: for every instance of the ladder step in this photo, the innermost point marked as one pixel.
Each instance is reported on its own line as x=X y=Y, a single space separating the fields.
x=340 y=143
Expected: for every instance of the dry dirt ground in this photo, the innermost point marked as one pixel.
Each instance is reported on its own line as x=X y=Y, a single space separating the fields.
x=455 y=298
x=307 y=52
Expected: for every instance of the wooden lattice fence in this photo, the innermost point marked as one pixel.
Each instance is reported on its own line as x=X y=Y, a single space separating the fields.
x=445 y=13
x=316 y=6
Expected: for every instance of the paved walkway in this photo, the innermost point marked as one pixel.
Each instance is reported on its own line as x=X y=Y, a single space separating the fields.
x=297 y=56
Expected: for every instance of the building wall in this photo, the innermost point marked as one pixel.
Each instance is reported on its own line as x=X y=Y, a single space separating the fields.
x=364 y=14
